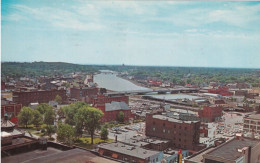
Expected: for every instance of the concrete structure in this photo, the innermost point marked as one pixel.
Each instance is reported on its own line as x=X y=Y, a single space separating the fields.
x=40 y=96
x=182 y=134
x=210 y=113
x=252 y=123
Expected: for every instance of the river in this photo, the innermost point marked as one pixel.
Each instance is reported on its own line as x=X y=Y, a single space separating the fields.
x=112 y=82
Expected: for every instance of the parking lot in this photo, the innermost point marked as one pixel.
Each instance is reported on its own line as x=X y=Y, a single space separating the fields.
x=127 y=132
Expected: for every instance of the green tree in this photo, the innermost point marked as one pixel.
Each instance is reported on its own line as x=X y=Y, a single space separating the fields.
x=65 y=133
x=49 y=117
x=120 y=117
x=104 y=133
x=50 y=130
x=58 y=99
x=61 y=113
x=37 y=118
x=71 y=110
x=25 y=116
x=43 y=107
x=93 y=120
x=79 y=120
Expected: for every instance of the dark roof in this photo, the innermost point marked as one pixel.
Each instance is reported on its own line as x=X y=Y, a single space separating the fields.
x=229 y=150
x=58 y=156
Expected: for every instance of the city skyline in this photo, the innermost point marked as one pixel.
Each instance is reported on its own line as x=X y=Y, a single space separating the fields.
x=193 y=34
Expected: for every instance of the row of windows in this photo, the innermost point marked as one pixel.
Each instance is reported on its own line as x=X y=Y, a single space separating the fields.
x=180 y=127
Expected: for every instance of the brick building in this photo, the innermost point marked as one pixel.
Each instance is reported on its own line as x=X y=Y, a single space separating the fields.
x=182 y=134
x=224 y=91
x=100 y=100
x=11 y=109
x=111 y=106
x=210 y=113
x=80 y=93
x=40 y=96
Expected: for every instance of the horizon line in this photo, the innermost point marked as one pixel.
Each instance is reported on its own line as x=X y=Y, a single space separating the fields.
x=91 y=64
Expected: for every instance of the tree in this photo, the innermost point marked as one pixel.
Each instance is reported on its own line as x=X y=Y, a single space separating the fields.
x=58 y=99
x=50 y=130
x=104 y=133
x=71 y=110
x=61 y=113
x=93 y=120
x=25 y=116
x=120 y=116
x=43 y=107
x=79 y=120
x=65 y=133
x=49 y=117
x=37 y=118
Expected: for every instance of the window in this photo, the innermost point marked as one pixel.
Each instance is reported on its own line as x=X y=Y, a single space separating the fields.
x=163 y=124
x=179 y=127
x=185 y=128
x=163 y=130
x=153 y=123
x=169 y=131
x=154 y=129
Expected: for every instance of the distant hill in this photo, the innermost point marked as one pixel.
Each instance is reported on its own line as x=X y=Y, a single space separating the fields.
x=30 y=69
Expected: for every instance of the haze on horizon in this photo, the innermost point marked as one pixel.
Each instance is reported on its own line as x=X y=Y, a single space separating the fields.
x=164 y=33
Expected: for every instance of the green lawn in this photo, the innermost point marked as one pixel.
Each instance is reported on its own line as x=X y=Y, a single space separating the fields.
x=85 y=142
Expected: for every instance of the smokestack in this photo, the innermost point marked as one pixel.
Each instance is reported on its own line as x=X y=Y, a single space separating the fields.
x=116 y=138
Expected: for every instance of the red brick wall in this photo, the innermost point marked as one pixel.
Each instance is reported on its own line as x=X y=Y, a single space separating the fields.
x=25 y=98
x=13 y=108
x=182 y=135
x=102 y=99
x=211 y=112
x=79 y=92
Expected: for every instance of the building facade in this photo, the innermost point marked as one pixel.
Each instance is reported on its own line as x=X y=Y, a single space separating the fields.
x=252 y=123
x=40 y=96
x=210 y=113
x=80 y=93
x=182 y=134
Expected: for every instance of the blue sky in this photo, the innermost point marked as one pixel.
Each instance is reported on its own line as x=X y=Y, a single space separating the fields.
x=204 y=34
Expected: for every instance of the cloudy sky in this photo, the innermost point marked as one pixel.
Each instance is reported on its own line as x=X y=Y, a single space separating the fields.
x=205 y=34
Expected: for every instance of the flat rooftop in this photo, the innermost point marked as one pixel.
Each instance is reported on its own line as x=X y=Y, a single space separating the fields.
x=229 y=150
x=57 y=156
x=198 y=157
x=130 y=150
x=254 y=116
x=170 y=119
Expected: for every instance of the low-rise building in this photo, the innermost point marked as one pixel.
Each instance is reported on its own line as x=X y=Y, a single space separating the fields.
x=252 y=123
x=129 y=153
x=40 y=96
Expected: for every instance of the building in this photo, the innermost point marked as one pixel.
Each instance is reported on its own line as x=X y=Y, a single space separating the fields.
x=81 y=93
x=224 y=91
x=252 y=123
x=129 y=153
x=11 y=110
x=16 y=147
x=112 y=109
x=237 y=150
x=182 y=134
x=100 y=100
x=40 y=96
x=210 y=113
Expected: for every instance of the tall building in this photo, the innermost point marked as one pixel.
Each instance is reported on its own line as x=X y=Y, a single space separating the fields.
x=80 y=93
x=183 y=134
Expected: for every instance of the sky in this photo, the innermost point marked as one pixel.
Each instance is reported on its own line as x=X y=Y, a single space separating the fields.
x=163 y=33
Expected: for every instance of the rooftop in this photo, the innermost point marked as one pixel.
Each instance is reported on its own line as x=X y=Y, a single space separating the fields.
x=129 y=150
x=57 y=156
x=163 y=117
x=229 y=150
x=116 y=106
x=254 y=116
